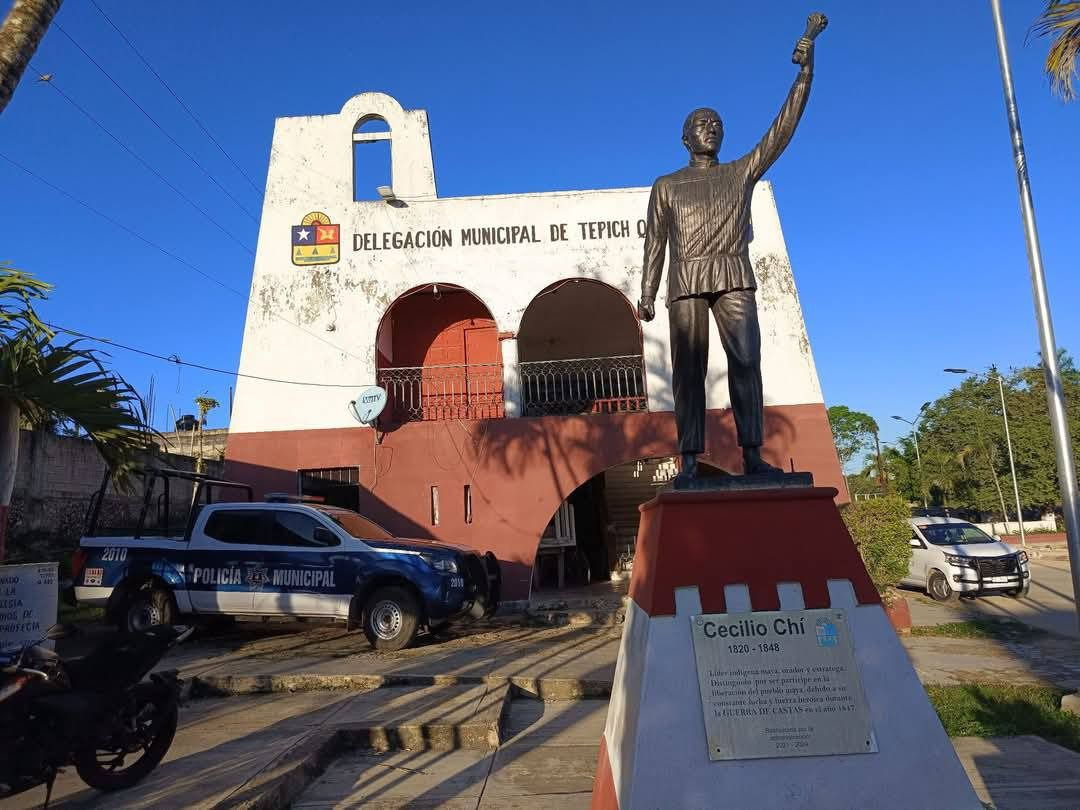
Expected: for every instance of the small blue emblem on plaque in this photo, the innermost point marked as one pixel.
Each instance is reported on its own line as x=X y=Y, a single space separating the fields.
x=827 y=635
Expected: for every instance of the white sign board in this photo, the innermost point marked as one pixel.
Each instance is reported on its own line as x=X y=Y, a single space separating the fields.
x=780 y=684
x=28 y=596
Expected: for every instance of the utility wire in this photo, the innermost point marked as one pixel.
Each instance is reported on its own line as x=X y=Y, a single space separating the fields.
x=151 y=169
x=173 y=358
x=153 y=121
x=168 y=253
x=179 y=100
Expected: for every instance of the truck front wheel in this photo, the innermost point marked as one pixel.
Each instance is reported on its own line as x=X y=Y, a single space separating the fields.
x=391 y=618
x=938 y=587
x=146 y=608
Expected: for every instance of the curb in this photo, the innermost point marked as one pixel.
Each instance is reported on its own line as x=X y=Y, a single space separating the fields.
x=200 y=686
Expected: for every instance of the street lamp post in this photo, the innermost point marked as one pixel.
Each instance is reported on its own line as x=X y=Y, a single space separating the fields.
x=1055 y=395
x=918 y=457
x=1008 y=444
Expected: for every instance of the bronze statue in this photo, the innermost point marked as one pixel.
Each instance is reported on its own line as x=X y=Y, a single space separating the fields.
x=702 y=213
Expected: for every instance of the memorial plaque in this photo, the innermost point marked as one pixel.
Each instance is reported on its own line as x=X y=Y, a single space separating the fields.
x=780 y=684
x=27 y=603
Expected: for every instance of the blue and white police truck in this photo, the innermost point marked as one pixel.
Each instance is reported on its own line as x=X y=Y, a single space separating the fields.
x=283 y=557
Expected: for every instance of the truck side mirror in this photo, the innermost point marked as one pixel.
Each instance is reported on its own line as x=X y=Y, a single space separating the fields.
x=914 y=542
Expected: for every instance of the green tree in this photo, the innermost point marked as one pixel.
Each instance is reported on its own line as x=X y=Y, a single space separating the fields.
x=962 y=438
x=881 y=531
x=22 y=31
x=43 y=381
x=853 y=432
x=1061 y=21
x=205 y=404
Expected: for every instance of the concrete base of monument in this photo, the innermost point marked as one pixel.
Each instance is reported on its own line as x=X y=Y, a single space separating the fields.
x=793 y=554
x=778 y=480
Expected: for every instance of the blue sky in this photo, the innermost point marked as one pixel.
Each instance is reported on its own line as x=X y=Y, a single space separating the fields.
x=897 y=196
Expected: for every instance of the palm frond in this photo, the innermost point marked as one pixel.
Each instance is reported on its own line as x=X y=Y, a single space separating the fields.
x=67 y=382
x=1061 y=20
x=17 y=293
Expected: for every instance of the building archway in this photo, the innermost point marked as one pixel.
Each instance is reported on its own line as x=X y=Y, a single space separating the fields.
x=438 y=356
x=580 y=351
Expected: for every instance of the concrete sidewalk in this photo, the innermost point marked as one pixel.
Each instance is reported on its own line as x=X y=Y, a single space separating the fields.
x=292 y=711
x=558 y=662
x=270 y=751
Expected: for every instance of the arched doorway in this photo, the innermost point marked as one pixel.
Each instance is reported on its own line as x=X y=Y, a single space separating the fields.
x=590 y=538
x=580 y=351
x=438 y=356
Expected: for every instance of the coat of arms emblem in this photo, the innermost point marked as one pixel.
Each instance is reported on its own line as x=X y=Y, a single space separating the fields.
x=315 y=240
x=257 y=577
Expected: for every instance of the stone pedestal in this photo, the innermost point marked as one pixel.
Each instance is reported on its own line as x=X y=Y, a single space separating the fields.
x=741 y=552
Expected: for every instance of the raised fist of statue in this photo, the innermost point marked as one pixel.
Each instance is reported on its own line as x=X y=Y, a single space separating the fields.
x=804 y=48
x=646 y=309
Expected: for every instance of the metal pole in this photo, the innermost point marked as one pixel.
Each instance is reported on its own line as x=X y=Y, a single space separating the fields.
x=1055 y=399
x=918 y=460
x=1012 y=464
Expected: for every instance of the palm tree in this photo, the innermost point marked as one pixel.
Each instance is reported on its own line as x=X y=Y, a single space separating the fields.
x=23 y=29
x=43 y=382
x=1061 y=21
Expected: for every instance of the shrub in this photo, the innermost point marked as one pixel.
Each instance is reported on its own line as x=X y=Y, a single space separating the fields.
x=881 y=532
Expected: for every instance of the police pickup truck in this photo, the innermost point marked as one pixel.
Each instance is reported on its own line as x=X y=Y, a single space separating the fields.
x=279 y=558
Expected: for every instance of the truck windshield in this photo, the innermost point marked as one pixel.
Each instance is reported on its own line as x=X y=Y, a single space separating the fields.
x=954 y=534
x=357 y=525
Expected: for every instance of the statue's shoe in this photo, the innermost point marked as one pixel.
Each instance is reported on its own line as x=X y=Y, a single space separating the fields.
x=685 y=480
x=759 y=466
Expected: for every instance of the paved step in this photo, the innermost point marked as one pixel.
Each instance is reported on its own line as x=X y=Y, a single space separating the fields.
x=558 y=610
x=543 y=688
x=577 y=618
x=547 y=759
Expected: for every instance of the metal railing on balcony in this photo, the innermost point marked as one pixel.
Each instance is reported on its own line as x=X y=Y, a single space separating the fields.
x=583 y=385
x=426 y=393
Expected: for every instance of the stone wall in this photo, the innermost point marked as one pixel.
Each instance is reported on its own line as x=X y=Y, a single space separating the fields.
x=186 y=442
x=56 y=477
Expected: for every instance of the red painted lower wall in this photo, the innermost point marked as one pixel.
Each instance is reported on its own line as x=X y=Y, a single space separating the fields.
x=519 y=470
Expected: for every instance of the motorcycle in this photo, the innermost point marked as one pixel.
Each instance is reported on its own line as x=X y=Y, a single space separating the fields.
x=94 y=712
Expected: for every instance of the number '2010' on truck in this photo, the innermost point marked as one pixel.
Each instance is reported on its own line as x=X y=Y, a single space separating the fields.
x=278 y=558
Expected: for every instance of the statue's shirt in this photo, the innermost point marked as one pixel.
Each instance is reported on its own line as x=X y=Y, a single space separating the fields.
x=702 y=214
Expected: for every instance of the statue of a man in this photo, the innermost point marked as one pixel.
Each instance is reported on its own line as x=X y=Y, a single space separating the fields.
x=702 y=213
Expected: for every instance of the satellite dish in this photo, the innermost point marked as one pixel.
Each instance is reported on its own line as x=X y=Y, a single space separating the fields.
x=368 y=405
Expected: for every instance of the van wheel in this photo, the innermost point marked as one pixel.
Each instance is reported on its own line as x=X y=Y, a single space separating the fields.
x=391 y=618
x=147 y=607
x=939 y=589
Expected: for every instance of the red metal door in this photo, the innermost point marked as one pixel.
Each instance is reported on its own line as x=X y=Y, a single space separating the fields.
x=444 y=386
x=484 y=372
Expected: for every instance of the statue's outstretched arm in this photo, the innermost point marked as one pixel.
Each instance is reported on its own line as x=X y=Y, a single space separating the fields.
x=783 y=128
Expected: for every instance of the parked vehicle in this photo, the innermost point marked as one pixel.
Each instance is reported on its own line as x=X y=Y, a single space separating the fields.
x=95 y=712
x=280 y=558
x=952 y=558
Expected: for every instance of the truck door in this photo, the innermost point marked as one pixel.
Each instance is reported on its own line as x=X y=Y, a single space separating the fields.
x=922 y=560
x=224 y=559
x=306 y=568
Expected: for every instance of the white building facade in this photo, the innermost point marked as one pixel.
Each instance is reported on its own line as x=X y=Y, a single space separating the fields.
x=503 y=328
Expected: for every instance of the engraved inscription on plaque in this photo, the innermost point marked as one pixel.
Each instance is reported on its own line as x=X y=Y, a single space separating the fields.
x=780 y=684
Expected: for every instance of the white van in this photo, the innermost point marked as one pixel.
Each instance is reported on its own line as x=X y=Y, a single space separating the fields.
x=951 y=557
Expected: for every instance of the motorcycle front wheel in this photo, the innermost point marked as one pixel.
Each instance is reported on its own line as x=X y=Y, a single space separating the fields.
x=133 y=748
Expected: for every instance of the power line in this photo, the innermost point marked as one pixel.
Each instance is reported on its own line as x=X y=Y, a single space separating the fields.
x=175 y=359
x=179 y=100
x=168 y=253
x=152 y=120
x=150 y=168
